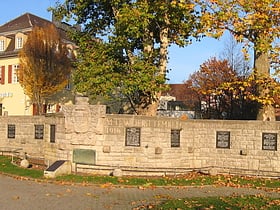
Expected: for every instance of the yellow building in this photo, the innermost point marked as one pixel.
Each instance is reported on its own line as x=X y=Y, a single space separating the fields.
x=13 y=34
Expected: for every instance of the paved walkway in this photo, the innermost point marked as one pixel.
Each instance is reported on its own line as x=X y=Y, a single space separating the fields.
x=24 y=194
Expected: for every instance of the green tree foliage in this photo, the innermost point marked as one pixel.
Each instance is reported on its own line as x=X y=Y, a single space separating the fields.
x=124 y=46
x=255 y=22
x=45 y=65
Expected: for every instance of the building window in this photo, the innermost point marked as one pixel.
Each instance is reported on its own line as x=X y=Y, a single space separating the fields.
x=175 y=138
x=1 y=70
x=2 y=45
x=14 y=73
x=19 y=43
x=68 y=85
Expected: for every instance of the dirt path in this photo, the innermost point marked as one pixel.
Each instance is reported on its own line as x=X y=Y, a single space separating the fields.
x=33 y=195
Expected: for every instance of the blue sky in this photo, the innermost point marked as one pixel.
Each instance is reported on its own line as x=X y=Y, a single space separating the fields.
x=183 y=61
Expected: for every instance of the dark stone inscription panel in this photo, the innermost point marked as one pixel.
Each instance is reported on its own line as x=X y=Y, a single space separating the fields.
x=269 y=141
x=39 y=131
x=11 y=131
x=84 y=156
x=132 y=137
x=175 y=138
x=223 y=139
x=52 y=133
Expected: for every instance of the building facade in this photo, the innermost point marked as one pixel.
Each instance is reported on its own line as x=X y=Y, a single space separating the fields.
x=13 y=35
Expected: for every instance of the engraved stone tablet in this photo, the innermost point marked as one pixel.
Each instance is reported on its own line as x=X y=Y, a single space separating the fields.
x=52 y=133
x=132 y=137
x=39 y=131
x=11 y=131
x=175 y=138
x=223 y=139
x=269 y=141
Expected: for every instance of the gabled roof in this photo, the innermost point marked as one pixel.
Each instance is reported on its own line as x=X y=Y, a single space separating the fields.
x=179 y=91
x=25 y=24
x=24 y=21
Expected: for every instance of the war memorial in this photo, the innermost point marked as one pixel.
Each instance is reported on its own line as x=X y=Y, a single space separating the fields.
x=83 y=138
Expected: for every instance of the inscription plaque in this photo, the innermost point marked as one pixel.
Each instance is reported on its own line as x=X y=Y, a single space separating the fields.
x=39 y=131
x=84 y=156
x=175 y=138
x=52 y=133
x=223 y=139
x=11 y=131
x=269 y=141
x=132 y=137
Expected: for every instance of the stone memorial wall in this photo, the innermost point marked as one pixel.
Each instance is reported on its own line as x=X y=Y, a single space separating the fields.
x=96 y=142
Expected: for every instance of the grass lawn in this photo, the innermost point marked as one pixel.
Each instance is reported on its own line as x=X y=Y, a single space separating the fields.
x=255 y=202
x=7 y=167
x=192 y=179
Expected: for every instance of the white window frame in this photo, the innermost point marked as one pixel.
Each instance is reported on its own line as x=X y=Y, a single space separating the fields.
x=19 y=43
x=2 y=45
x=14 y=74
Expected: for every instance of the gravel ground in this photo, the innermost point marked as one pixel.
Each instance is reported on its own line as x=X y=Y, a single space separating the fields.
x=22 y=194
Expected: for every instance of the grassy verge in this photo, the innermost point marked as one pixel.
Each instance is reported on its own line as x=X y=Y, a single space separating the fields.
x=192 y=179
x=232 y=203
x=187 y=180
x=7 y=167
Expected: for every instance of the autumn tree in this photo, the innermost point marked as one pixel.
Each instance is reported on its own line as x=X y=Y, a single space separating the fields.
x=247 y=97
x=45 y=65
x=254 y=22
x=206 y=81
x=131 y=54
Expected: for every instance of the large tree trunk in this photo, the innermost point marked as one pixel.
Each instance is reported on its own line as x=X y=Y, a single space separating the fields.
x=163 y=52
x=151 y=110
x=266 y=112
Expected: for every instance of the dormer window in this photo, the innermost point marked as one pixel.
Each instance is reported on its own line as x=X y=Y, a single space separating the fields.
x=19 y=42
x=2 y=45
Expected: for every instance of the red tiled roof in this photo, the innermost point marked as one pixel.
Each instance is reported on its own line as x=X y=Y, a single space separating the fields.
x=177 y=90
x=24 y=21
